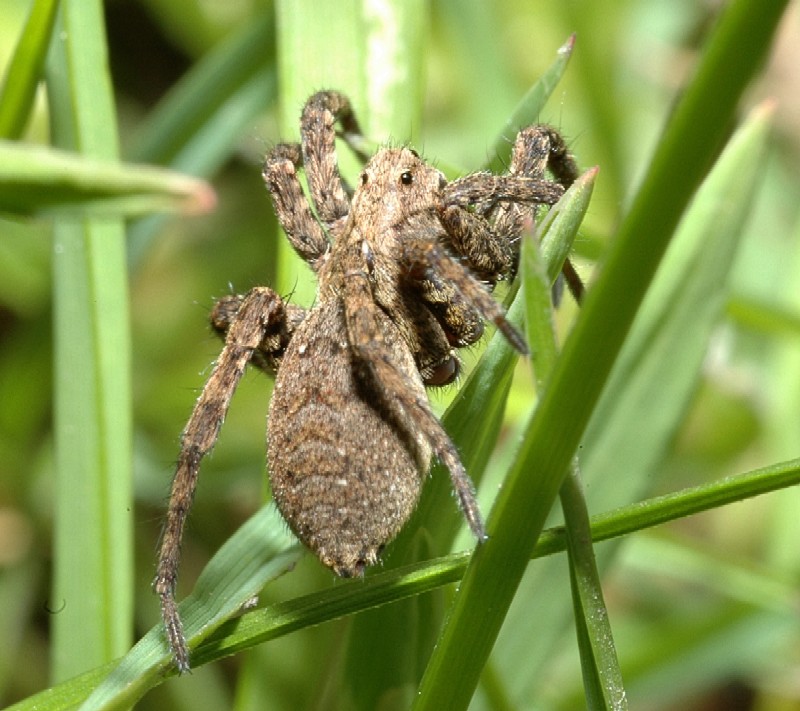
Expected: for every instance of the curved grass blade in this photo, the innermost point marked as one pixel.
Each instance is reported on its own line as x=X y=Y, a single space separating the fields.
x=316 y=608
x=173 y=129
x=349 y=597
x=260 y=551
x=36 y=180
x=283 y=618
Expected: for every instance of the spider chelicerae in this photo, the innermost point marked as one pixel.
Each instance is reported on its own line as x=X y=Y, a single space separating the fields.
x=404 y=265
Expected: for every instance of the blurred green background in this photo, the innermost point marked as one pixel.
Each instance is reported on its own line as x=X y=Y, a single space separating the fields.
x=681 y=598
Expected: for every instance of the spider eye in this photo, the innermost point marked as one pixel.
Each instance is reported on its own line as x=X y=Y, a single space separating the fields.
x=406 y=178
x=364 y=178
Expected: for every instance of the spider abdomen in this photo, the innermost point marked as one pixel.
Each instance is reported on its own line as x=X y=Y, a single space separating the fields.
x=345 y=469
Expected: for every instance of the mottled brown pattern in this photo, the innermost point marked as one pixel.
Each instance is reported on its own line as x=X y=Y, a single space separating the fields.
x=403 y=264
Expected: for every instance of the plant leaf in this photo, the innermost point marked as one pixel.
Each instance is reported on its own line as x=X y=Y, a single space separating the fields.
x=690 y=143
x=25 y=69
x=260 y=551
x=36 y=180
x=93 y=527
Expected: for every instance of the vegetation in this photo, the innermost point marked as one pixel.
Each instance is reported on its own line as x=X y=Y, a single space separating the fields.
x=677 y=384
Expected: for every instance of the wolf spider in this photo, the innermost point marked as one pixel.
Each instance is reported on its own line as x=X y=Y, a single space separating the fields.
x=402 y=262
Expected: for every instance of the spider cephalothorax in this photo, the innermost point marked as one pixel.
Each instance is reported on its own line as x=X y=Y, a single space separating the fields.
x=402 y=266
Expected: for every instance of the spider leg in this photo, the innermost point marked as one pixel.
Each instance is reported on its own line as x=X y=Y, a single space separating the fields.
x=536 y=148
x=482 y=191
x=530 y=156
x=422 y=254
x=472 y=290
x=484 y=215
x=368 y=343
x=267 y=357
x=461 y=321
x=429 y=342
x=317 y=126
x=257 y=314
x=291 y=207
x=489 y=251
x=574 y=282
x=560 y=162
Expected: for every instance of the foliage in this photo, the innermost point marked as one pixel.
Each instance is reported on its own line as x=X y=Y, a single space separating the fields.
x=679 y=373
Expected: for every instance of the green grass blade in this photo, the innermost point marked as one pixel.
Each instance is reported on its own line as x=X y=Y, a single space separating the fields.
x=383 y=588
x=388 y=587
x=602 y=678
x=598 y=105
x=25 y=69
x=373 y=57
x=659 y=364
x=276 y=620
x=759 y=316
x=260 y=551
x=689 y=144
x=665 y=350
x=320 y=46
x=526 y=112
x=559 y=227
x=330 y=40
x=36 y=180
x=687 y=502
x=530 y=107
x=93 y=576
x=347 y=598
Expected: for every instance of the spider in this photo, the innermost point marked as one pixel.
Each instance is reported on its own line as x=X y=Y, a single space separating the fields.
x=402 y=262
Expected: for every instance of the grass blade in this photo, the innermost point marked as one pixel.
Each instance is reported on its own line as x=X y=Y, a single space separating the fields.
x=196 y=125
x=530 y=107
x=659 y=364
x=35 y=180
x=259 y=626
x=688 y=146
x=602 y=677
x=178 y=122
x=25 y=69
x=93 y=578
x=260 y=551
x=333 y=48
